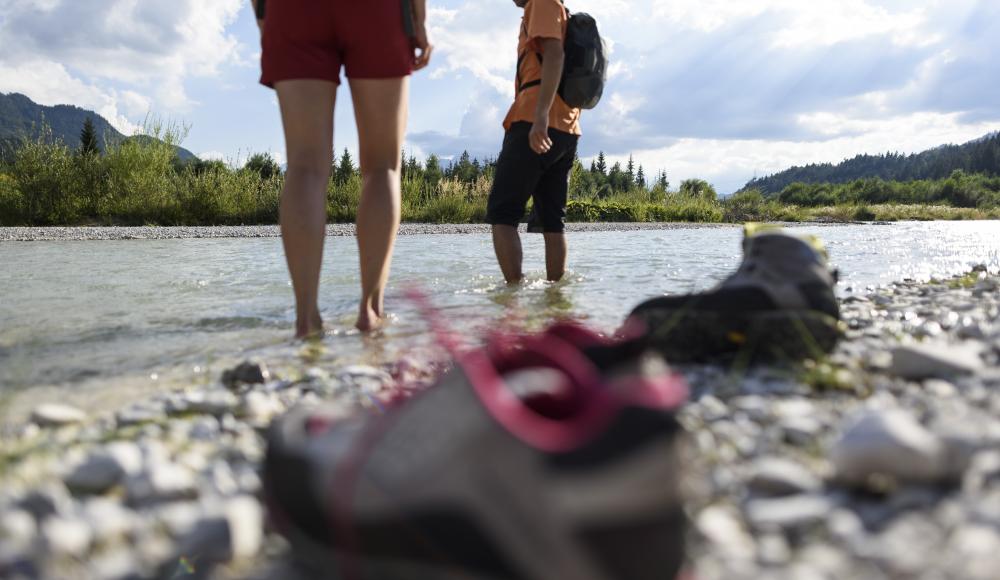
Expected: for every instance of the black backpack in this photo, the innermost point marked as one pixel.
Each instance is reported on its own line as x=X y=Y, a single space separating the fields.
x=585 y=70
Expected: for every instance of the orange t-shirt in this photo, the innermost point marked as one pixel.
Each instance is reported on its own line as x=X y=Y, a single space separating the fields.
x=542 y=19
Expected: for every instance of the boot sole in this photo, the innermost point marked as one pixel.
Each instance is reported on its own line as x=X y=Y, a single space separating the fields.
x=753 y=336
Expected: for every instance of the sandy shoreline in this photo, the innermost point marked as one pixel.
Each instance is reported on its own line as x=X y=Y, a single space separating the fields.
x=186 y=232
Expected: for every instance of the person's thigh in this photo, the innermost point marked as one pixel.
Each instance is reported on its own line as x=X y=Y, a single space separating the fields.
x=307 y=116
x=517 y=173
x=380 y=109
x=553 y=187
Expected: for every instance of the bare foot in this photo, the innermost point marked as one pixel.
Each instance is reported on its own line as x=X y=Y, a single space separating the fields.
x=368 y=320
x=311 y=328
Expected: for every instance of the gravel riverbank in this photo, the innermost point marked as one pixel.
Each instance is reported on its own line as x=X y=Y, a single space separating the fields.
x=882 y=462
x=182 y=232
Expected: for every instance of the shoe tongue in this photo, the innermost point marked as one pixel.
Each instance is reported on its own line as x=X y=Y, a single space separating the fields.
x=529 y=382
x=546 y=391
x=752 y=230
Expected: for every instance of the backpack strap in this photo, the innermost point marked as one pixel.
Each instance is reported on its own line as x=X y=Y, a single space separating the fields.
x=261 y=9
x=529 y=85
x=521 y=87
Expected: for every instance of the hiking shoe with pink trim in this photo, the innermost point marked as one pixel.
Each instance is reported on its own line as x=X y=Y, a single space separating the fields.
x=542 y=457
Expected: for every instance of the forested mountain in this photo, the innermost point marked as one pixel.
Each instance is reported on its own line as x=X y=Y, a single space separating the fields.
x=21 y=117
x=979 y=156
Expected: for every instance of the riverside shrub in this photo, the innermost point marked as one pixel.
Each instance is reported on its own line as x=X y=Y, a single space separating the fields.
x=11 y=201
x=45 y=178
x=958 y=190
x=752 y=206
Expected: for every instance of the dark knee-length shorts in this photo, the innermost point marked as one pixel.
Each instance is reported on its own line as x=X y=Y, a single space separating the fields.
x=522 y=174
x=313 y=39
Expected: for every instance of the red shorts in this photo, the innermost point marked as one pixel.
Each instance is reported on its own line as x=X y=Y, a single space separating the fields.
x=312 y=39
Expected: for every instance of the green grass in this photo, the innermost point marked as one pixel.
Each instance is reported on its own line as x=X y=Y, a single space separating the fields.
x=139 y=182
x=893 y=212
x=964 y=281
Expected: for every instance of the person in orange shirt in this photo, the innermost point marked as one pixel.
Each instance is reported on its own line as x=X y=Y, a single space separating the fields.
x=539 y=146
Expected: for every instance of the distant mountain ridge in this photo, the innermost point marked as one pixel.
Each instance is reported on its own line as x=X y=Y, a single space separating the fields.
x=980 y=155
x=21 y=117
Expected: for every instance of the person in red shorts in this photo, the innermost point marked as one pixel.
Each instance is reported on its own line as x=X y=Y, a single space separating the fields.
x=305 y=44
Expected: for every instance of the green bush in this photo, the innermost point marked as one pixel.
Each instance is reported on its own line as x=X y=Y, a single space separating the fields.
x=342 y=200
x=958 y=190
x=692 y=210
x=46 y=180
x=141 y=180
x=864 y=213
x=752 y=206
x=11 y=202
x=898 y=212
x=449 y=201
x=219 y=195
x=698 y=189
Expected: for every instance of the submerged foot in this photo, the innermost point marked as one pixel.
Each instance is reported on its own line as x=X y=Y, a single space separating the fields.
x=368 y=320
x=310 y=328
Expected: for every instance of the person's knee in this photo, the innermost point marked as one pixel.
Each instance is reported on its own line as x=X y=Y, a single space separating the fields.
x=309 y=171
x=503 y=212
x=380 y=173
x=381 y=182
x=380 y=158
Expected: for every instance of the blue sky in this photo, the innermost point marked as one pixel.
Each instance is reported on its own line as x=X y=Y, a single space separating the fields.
x=718 y=89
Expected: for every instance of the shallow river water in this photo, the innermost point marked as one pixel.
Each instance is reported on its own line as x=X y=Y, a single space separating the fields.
x=76 y=317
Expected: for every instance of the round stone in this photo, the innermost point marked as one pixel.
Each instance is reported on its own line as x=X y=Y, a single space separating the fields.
x=55 y=415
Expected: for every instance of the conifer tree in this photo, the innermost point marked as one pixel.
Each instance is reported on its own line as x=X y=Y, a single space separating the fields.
x=640 y=178
x=602 y=164
x=630 y=169
x=345 y=168
x=662 y=181
x=88 y=138
x=432 y=170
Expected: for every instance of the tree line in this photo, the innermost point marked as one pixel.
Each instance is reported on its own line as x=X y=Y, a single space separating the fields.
x=599 y=181
x=142 y=180
x=981 y=156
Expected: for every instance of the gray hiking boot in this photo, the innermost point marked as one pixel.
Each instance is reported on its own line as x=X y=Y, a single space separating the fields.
x=778 y=306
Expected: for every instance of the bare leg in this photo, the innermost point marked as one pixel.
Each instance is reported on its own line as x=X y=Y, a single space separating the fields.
x=507 y=245
x=380 y=111
x=307 y=116
x=555 y=256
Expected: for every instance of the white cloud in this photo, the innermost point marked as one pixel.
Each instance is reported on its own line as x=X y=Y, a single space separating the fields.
x=50 y=84
x=830 y=22
x=730 y=163
x=150 y=46
x=705 y=15
x=471 y=40
x=797 y=23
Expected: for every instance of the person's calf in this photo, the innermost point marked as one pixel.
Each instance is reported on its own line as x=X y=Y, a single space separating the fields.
x=555 y=256
x=507 y=245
